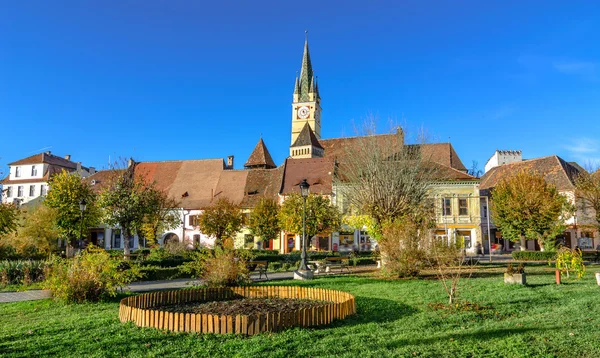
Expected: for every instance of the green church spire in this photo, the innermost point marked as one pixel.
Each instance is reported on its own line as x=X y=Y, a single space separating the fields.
x=306 y=74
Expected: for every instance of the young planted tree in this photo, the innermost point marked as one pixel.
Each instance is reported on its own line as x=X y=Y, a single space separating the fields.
x=525 y=207
x=264 y=220
x=588 y=191
x=67 y=190
x=125 y=202
x=160 y=215
x=222 y=220
x=322 y=217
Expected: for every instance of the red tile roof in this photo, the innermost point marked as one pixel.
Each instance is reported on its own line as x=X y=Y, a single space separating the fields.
x=262 y=183
x=441 y=153
x=317 y=171
x=260 y=157
x=555 y=170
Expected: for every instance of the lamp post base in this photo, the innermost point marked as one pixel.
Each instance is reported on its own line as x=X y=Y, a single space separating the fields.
x=303 y=275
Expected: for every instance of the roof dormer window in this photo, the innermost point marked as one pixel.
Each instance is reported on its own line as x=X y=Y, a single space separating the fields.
x=17 y=172
x=33 y=171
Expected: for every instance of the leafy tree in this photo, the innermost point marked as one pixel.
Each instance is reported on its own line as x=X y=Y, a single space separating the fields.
x=525 y=207
x=125 y=202
x=160 y=215
x=8 y=218
x=67 y=190
x=588 y=191
x=37 y=231
x=322 y=217
x=222 y=220
x=264 y=220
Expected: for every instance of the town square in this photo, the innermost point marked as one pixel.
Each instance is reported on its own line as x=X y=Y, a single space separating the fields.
x=317 y=179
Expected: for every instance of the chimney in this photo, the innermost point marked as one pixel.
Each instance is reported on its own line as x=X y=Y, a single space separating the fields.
x=79 y=167
x=48 y=152
x=400 y=134
x=230 y=162
x=68 y=157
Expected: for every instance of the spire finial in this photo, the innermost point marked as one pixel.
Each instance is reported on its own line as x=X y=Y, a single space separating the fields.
x=306 y=35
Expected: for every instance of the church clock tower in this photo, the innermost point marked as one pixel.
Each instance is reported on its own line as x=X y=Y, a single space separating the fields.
x=306 y=106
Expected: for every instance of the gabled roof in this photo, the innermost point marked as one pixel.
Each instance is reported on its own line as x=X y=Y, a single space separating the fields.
x=46 y=158
x=441 y=153
x=260 y=157
x=317 y=171
x=262 y=183
x=307 y=137
x=555 y=170
x=192 y=182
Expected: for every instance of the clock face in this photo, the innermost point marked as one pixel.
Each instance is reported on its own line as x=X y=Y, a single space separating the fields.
x=303 y=112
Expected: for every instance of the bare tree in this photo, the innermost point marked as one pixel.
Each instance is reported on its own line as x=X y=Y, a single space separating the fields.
x=382 y=177
x=451 y=265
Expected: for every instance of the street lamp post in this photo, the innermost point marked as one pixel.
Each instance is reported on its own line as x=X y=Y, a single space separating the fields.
x=82 y=206
x=303 y=273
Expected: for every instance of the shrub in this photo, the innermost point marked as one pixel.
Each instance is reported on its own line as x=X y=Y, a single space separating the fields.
x=404 y=256
x=155 y=273
x=91 y=276
x=21 y=272
x=533 y=255
x=219 y=267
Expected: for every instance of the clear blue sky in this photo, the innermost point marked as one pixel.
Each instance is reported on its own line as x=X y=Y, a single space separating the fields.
x=160 y=80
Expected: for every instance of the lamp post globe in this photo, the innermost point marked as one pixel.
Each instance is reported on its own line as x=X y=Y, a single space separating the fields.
x=303 y=272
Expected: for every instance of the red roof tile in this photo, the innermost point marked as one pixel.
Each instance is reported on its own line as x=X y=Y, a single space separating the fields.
x=317 y=171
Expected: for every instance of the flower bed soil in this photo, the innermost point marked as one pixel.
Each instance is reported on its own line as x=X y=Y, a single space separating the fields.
x=246 y=306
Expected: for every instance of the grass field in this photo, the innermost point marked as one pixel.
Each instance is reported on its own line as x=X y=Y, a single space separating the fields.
x=394 y=319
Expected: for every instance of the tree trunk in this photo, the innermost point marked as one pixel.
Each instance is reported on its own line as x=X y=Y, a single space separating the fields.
x=523 y=243
x=126 y=250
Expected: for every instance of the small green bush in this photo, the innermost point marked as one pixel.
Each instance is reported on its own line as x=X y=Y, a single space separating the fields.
x=91 y=276
x=533 y=255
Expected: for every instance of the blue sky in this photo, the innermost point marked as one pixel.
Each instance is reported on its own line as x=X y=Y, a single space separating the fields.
x=160 y=80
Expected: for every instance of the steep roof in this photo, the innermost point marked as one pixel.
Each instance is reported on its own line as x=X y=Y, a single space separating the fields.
x=260 y=157
x=307 y=137
x=305 y=83
x=262 y=183
x=441 y=153
x=555 y=170
x=192 y=182
x=317 y=171
x=231 y=185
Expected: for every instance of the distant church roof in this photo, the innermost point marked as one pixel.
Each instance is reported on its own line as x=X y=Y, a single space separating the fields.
x=307 y=137
x=260 y=157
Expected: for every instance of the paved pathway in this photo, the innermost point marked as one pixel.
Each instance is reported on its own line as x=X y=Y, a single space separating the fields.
x=148 y=286
x=24 y=296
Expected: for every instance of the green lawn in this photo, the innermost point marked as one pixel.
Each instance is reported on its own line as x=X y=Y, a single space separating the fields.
x=393 y=319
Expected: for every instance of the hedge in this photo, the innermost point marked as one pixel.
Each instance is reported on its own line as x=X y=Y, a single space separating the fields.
x=154 y=273
x=533 y=255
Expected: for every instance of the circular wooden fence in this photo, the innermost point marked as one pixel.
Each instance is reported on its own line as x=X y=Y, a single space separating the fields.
x=145 y=310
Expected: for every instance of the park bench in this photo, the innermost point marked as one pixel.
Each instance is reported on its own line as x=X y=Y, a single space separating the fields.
x=260 y=266
x=330 y=263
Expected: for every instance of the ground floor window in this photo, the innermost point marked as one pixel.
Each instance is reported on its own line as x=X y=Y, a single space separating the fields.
x=291 y=242
x=585 y=241
x=116 y=239
x=464 y=238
